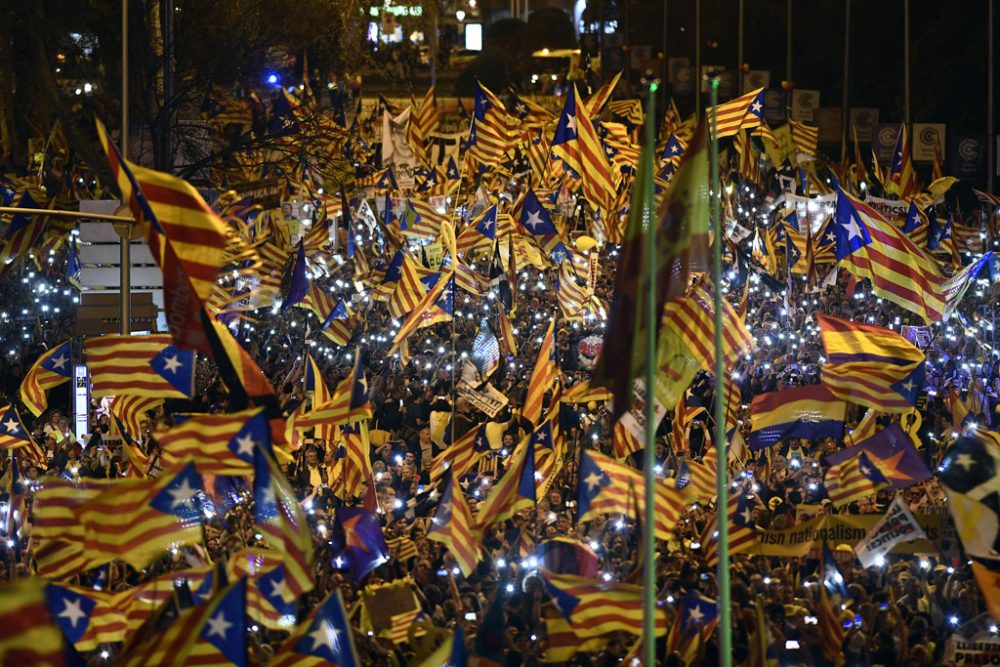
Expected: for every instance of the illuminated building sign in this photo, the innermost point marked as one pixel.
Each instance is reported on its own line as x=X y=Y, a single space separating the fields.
x=396 y=10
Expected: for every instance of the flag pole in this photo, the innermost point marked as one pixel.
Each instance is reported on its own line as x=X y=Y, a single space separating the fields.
x=722 y=483
x=649 y=456
x=124 y=249
x=847 y=63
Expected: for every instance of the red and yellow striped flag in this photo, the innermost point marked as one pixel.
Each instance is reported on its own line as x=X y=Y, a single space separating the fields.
x=743 y=113
x=461 y=455
x=454 y=527
x=349 y=404
x=853 y=479
x=576 y=143
x=137 y=521
x=410 y=289
x=186 y=237
x=831 y=632
x=693 y=316
x=29 y=634
x=319 y=301
x=542 y=376
x=223 y=444
x=51 y=369
x=147 y=365
x=55 y=531
x=357 y=466
x=594 y=607
x=609 y=487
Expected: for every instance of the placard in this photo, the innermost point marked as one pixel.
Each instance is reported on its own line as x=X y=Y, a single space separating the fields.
x=925 y=137
x=863 y=121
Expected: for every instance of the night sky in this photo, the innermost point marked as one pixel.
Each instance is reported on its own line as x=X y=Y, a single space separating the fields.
x=947 y=41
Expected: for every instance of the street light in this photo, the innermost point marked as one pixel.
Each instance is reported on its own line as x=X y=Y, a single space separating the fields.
x=460 y=15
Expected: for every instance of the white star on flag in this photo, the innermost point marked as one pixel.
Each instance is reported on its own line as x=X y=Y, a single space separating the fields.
x=245 y=445
x=217 y=625
x=853 y=231
x=593 y=480
x=325 y=635
x=279 y=589
x=534 y=219
x=183 y=494
x=73 y=611
x=172 y=364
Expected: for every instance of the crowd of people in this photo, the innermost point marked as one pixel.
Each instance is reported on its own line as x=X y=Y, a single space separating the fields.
x=902 y=612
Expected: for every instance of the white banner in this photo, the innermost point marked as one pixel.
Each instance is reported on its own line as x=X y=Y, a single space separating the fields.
x=983 y=650
x=489 y=399
x=898 y=525
x=396 y=152
x=890 y=208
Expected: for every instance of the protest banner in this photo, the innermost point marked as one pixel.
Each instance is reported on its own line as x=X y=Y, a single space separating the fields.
x=847 y=529
x=898 y=525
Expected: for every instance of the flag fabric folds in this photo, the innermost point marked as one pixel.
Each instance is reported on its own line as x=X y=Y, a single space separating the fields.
x=693 y=316
x=454 y=526
x=743 y=113
x=831 y=632
x=212 y=633
x=135 y=521
x=349 y=403
x=609 y=487
x=324 y=639
x=358 y=541
x=542 y=376
x=594 y=607
x=893 y=453
x=801 y=412
x=29 y=634
x=223 y=444
x=696 y=619
x=13 y=435
x=149 y=365
x=872 y=248
x=682 y=242
x=51 y=369
x=186 y=237
x=969 y=475
x=280 y=520
x=576 y=143
x=870 y=365
x=853 y=479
